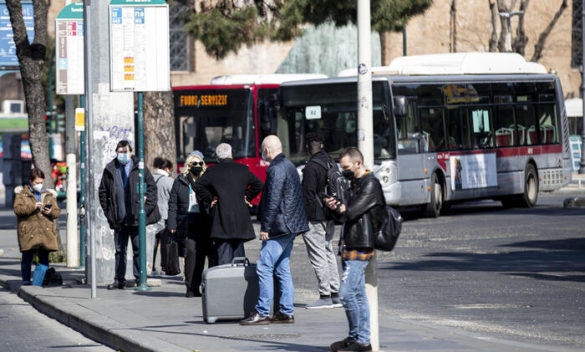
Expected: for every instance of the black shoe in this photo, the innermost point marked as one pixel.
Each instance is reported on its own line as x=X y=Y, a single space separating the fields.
x=189 y=294
x=334 y=347
x=255 y=319
x=354 y=346
x=115 y=285
x=281 y=318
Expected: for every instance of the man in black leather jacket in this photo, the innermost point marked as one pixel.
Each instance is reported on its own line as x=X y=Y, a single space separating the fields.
x=361 y=217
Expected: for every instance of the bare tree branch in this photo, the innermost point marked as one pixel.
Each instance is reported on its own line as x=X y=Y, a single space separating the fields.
x=539 y=46
x=502 y=7
x=520 y=41
x=453 y=25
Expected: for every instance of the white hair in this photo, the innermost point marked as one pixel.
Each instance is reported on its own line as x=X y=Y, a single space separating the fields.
x=223 y=151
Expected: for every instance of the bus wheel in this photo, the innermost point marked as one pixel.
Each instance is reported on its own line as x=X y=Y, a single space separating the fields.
x=528 y=199
x=433 y=208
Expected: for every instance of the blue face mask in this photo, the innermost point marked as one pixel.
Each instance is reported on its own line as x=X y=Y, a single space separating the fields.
x=263 y=157
x=123 y=158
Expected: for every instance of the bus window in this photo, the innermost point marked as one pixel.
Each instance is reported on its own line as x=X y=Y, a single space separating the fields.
x=482 y=133
x=433 y=128
x=526 y=124
x=407 y=130
x=547 y=120
x=457 y=129
x=504 y=122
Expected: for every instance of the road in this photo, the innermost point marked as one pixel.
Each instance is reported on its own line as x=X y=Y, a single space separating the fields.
x=516 y=274
x=25 y=329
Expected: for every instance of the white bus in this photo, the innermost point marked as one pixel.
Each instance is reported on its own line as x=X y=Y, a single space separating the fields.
x=447 y=128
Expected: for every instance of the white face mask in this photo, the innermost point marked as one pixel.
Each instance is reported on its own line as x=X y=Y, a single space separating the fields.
x=38 y=187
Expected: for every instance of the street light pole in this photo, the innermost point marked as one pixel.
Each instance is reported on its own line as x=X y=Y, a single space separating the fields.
x=582 y=166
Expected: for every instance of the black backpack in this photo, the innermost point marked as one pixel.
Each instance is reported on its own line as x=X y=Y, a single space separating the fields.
x=386 y=237
x=336 y=186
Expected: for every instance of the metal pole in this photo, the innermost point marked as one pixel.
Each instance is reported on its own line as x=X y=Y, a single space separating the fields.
x=71 y=158
x=366 y=144
x=89 y=128
x=582 y=165
x=141 y=213
x=404 y=51
x=50 y=106
x=82 y=219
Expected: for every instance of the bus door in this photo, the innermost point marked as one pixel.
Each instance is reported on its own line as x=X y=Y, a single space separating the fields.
x=412 y=149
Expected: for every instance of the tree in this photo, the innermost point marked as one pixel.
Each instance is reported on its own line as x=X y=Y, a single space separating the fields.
x=519 y=39
x=159 y=127
x=31 y=58
x=223 y=26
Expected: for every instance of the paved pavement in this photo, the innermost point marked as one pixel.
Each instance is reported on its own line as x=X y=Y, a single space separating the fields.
x=164 y=320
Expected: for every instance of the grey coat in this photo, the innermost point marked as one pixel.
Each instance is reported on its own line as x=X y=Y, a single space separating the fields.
x=164 y=184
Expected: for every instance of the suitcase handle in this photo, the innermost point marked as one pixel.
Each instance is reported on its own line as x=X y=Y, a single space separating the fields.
x=240 y=260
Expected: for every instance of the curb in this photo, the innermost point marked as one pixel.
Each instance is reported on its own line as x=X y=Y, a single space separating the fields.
x=98 y=328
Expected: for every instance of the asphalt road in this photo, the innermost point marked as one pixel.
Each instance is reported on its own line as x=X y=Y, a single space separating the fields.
x=516 y=274
x=25 y=329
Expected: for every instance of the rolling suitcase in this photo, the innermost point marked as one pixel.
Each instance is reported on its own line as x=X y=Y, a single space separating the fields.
x=229 y=291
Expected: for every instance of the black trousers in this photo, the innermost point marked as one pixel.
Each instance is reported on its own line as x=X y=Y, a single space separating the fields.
x=226 y=250
x=197 y=248
x=121 y=237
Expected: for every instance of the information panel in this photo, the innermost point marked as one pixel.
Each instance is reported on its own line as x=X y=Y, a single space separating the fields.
x=7 y=47
x=473 y=171
x=139 y=45
x=70 y=77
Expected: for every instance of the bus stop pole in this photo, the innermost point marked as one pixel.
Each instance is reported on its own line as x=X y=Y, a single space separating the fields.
x=141 y=212
x=366 y=144
x=82 y=191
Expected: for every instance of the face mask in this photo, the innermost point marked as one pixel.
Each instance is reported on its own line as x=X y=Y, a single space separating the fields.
x=196 y=170
x=263 y=157
x=348 y=174
x=123 y=158
x=38 y=187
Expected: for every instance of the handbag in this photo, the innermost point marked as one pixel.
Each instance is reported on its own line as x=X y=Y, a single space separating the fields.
x=386 y=237
x=39 y=274
x=172 y=263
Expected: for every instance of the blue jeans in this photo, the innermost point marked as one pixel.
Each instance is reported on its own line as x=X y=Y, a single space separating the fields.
x=26 y=262
x=274 y=260
x=353 y=296
x=121 y=237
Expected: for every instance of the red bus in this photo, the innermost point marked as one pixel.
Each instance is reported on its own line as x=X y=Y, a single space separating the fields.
x=237 y=110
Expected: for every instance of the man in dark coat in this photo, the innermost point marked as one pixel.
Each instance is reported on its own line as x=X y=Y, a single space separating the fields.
x=318 y=240
x=119 y=199
x=282 y=218
x=229 y=187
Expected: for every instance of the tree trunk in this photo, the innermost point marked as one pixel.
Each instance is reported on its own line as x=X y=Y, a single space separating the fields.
x=159 y=127
x=519 y=43
x=494 y=37
x=31 y=59
x=453 y=27
x=539 y=46
x=503 y=26
x=383 y=48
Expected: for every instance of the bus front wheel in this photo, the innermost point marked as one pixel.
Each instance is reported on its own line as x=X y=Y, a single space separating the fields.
x=433 y=208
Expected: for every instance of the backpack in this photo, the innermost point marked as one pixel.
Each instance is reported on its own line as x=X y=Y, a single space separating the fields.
x=336 y=185
x=385 y=238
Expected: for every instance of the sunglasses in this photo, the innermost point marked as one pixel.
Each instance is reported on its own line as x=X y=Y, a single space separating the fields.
x=200 y=163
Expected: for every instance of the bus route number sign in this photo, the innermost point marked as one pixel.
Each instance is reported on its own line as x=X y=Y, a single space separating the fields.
x=313 y=112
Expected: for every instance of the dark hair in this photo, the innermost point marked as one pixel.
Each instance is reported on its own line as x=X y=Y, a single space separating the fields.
x=36 y=173
x=158 y=162
x=166 y=164
x=124 y=143
x=353 y=152
x=314 y=141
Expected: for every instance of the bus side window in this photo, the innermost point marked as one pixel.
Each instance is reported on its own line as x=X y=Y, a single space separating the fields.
x=433 y=128
x=547 y=120
x=409 y=138
x=482 y=132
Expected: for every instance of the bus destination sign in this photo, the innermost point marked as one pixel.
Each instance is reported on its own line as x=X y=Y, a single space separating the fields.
x=204 y=100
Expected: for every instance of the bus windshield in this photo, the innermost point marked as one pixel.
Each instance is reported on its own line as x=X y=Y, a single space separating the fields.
x=331 y=109
x=208 y=117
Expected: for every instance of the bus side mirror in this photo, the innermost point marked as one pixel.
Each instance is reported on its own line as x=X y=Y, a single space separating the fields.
x=400 y=106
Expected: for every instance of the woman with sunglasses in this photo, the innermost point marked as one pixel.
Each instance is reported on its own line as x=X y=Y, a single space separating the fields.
x=188 y=223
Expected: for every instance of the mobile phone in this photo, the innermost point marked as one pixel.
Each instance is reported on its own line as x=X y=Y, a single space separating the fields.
x=48 y=205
